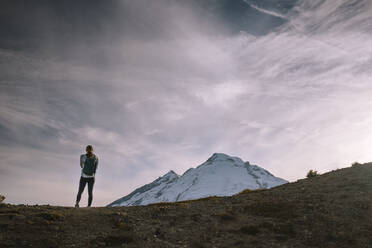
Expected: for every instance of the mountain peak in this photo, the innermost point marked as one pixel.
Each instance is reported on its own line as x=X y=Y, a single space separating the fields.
x=171 y=173
x=222 y=157
x=218 y=155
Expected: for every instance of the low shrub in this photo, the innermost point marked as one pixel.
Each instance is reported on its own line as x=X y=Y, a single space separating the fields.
x=312 y=173
x=355 y=164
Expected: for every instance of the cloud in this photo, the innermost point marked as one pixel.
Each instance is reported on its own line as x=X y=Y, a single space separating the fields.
x=268 y=12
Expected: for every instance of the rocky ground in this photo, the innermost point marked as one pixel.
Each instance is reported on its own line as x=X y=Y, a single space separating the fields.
x=331 y=210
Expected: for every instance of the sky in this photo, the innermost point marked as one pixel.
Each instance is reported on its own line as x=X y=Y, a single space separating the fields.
x=162 y=85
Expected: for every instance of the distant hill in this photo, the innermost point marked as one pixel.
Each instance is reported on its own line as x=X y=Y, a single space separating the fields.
x=329 y=210
x=220 y=175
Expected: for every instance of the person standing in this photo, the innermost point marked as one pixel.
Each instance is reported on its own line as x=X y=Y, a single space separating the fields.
x=88 y=164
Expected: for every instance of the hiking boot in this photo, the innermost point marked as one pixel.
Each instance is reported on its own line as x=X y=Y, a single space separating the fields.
x=76 y=205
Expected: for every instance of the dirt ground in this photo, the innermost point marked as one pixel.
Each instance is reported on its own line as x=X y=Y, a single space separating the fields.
x=331 y=210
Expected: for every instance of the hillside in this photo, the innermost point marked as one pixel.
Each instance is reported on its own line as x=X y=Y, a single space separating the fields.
x=331 y=210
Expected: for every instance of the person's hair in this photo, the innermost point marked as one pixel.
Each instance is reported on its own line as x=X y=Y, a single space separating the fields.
x=89 y=148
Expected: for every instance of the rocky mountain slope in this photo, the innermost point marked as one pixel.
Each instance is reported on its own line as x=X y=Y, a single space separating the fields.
x=330 y=210
x=220 y=175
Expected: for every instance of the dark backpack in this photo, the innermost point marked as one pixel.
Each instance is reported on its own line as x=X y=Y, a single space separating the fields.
x=90 y=165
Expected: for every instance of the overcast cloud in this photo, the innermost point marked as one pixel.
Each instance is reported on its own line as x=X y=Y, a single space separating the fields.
x=161 y=85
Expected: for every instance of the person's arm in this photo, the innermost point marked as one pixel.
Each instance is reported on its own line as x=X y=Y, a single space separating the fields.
x=96 y=165
x=81 y=161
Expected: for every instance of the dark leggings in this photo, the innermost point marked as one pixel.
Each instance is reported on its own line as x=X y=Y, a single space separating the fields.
x=83 y=181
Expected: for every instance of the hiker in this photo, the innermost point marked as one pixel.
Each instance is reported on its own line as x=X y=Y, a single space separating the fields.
x=88 y=164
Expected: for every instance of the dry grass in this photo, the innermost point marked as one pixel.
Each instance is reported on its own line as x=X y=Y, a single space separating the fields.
x=329 y=210
x=249 y=191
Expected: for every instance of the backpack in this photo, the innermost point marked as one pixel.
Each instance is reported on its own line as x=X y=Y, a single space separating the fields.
x=90 y=165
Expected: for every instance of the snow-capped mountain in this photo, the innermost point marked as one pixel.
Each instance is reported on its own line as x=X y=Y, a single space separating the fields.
x=220 y=175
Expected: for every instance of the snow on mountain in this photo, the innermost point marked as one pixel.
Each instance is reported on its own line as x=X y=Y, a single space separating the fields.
x=220 y=175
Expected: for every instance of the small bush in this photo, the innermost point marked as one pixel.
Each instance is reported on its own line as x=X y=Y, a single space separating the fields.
x=355 y=164
x=312 y=173
x=2 y=198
